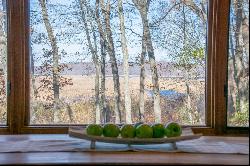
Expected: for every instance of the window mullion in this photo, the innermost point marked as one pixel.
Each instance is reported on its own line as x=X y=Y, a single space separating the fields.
x=219 y=67
x=17 y=51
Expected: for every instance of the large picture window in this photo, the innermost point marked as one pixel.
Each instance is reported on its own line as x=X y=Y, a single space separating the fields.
x=117 y=61
x=77 y=62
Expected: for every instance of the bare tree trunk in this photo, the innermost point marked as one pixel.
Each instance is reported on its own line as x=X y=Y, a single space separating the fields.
x=231 y=92
x=111 y=51
x=33 y=82
x=153 y=66
x=55 y=59
x=189 y=106
x=187 y=69
x=142 y=6
x=231 y=86
x=32 y=70
x=125 y=64
x=105 y=111
x=95 y=59
x=97 y=80
x=239 y=67
x=236 y=83
x=142 y=80
x=245 y=33
x=245 y=39
x=103 y=103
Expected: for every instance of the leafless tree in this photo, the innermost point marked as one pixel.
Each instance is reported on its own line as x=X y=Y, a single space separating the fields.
x=106 y=11
x=125 y=64
x=143 y=6
x=103 y=45
x=93 y=49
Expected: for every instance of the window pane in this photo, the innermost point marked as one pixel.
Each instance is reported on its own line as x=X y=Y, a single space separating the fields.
x=3 y=63
x=238 y=64
x=82 y=73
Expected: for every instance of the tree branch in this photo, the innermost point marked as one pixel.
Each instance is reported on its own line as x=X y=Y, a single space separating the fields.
x=162 y=18
x=132 y=31
x=191 y=4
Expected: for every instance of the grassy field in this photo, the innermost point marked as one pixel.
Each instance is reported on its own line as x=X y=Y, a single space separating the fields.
x=79 y=97
x=78 y=103
x=84 y=86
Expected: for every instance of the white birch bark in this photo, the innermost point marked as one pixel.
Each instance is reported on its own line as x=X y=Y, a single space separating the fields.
x=55 y=59
x=128 y=117
x=142 y=6
x=95 y=58
x=111 y=51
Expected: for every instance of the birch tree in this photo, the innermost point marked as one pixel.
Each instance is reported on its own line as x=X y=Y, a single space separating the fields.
x=142 y=80
x=143 y=6
x=103 y=43
x=55 y=59
x=187 y=67
x=94 y=53
x=125 y=64
x=106 y=11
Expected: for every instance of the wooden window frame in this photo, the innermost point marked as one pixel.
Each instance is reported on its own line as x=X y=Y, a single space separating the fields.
x=18 y=73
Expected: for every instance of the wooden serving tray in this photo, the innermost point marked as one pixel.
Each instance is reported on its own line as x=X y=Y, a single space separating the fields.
x=79 y=132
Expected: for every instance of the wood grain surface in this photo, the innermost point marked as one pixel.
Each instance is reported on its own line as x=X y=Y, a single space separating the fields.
x=120 y=158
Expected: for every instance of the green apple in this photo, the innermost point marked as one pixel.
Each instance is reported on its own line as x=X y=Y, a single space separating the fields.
x=144 y=131
x=128 y=131
x=173 y=129
x=158 y=130
x=111 y=130
x=94 y=129
x=137 y=124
